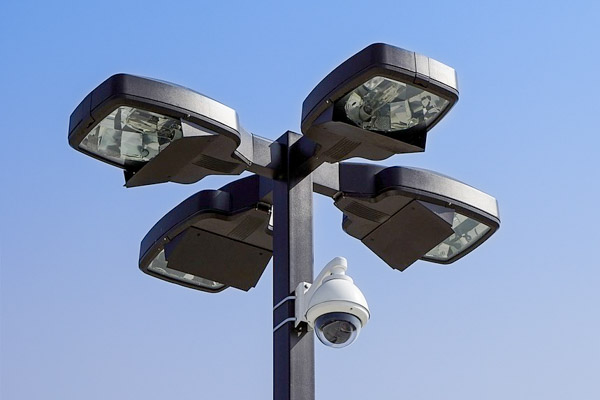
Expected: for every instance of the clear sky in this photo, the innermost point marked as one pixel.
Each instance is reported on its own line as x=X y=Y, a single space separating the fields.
x=516 y=319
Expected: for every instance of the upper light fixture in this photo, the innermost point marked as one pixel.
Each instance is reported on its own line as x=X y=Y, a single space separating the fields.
x=381 y=101
x=157 y=131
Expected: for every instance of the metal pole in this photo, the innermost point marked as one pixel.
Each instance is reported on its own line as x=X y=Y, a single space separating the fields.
x=293 y=350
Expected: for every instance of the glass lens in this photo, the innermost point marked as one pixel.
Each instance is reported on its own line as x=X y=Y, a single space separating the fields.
x=130 y=136
x=467 y=231
x=383 y=104
x=159 y=266
x=337 y=329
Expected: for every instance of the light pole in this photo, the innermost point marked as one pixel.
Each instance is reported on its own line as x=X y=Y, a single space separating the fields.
x=380 y=102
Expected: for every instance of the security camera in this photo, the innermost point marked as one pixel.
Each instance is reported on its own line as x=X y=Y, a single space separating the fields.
x=333 y=305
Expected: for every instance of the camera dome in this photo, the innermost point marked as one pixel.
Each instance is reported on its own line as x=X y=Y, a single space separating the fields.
x=333 y=305
x=337 y=329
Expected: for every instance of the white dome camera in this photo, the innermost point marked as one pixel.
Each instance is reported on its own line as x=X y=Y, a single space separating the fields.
x=333 y=305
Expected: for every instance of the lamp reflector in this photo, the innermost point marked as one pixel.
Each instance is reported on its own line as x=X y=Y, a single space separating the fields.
x=159 y=266
x=385 y=105
x=131 y=136
x=467 y=232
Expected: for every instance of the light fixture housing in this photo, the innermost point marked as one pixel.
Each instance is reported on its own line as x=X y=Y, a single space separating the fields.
x=381 y=101
x=214 y=239
x=406 y=214
x=157 y=131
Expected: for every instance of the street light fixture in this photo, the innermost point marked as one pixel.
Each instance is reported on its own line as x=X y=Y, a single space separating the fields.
x=157 y=131
x=406 y=214
x=214 y=239
x=381 y=101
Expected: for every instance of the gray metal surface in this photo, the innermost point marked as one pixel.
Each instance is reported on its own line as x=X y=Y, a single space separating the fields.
x=293 y=350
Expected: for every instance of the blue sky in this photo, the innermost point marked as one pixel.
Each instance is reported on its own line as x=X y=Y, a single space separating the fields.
x=516 y=319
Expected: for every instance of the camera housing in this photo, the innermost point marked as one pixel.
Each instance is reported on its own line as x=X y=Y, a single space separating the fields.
x=333 y=305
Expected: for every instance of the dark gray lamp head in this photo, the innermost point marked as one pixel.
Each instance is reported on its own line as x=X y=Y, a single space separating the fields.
x=214 y=239
x=406 y=214
x=381 y=101
x=156 y=131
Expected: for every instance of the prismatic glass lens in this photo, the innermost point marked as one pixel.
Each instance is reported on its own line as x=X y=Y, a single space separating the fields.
x=159 y=266
x=383 y=104
x=467 y=231
x=130 y=136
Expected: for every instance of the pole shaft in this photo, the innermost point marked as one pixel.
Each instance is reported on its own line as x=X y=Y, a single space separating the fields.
x=293 y=350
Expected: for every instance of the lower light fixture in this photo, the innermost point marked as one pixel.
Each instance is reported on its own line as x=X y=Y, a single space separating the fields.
x=406 y=214
x=214 y=239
